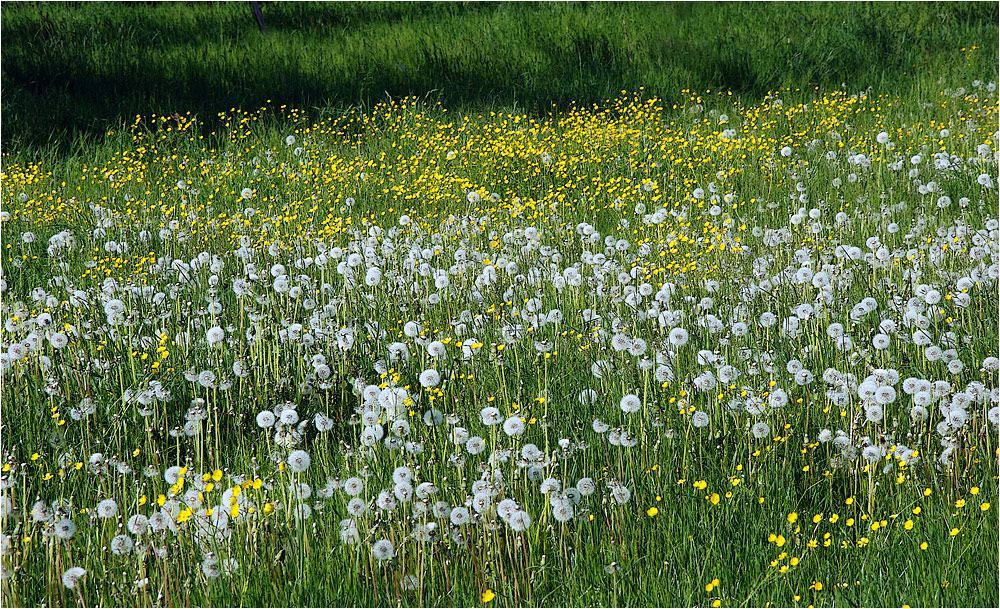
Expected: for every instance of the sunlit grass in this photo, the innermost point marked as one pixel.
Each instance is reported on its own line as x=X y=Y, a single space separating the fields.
x=632 y=354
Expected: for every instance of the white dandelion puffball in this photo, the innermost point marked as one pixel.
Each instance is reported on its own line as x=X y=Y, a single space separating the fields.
x=586 y=486
x=138 y=524
x=513 y=426
x=215 y=336
x=631 y=403
x=265 y=419
x=778 y=398
x=121 y=545
x=383 y=550
x=429 y=378
x=354 y=486
x=299 y=461
x=72 y=576
x=289 y=416
x=460 y=516
x=65 y=528
x=436 y=349
x=490 y=416
x=519 y=521
x=700 y=419
x=563 y=512
x=107 y=509
x=621 y=494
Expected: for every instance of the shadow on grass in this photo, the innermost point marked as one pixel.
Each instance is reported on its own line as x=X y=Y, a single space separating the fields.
x=70 y=72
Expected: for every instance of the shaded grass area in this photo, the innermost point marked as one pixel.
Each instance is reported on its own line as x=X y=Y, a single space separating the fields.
x=71 y=70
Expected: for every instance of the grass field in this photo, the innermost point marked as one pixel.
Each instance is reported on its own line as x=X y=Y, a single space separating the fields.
x=70 y=71
x=690 y=348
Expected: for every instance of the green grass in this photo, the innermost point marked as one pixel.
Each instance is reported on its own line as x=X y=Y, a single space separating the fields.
x=784 y=519
x=71 y=71
x=723 y=497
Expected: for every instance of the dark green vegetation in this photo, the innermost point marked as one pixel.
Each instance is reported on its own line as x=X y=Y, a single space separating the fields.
x=71 y=70
x=111 y=380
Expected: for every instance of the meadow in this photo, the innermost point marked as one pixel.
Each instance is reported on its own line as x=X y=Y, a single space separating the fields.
x=71 y=70
x=706 y=348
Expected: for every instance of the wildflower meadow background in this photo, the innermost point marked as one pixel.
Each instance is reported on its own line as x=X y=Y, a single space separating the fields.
x=484 y=304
